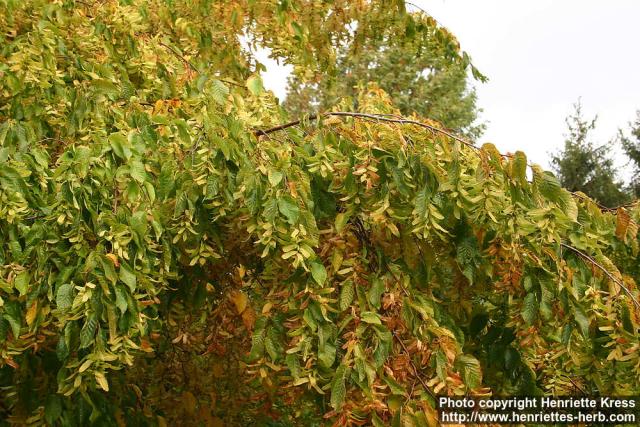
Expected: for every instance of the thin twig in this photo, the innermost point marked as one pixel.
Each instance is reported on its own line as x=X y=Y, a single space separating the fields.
x=604 y=270
x=179 y=55
x=193 y=67
x=575 y=384
x=415 y=368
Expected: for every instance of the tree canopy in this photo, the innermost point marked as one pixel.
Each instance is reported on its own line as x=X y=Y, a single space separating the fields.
x=631 y=147
x=419 y=79
x=171 y=252
x=583 y=166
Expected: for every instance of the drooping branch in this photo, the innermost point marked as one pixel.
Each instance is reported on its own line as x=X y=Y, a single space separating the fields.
x=604 y=270
x=376 y=117
x=403 y=120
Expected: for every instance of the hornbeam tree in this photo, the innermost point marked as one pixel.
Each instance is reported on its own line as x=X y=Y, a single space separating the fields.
x=174 y=252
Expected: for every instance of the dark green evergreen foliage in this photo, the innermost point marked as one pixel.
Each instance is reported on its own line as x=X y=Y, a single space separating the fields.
x=631 y=146
x=586 y=167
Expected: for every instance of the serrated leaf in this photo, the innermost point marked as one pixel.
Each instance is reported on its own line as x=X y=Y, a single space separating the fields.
x=370 y=317
x=347 y=294
x=470 y=370
x=21 y=282
x=254 y=84
x=121 y=298
x=519 y=167
x=288 y=207
x=318 y=272
x=165 y=182
x=341 y=220
x=137 y=172
x=52 y=409
x=120 y=145
x=275 y=177
x=530 y=308
x=13 y=315
x=581 y=319
x=395 y=387
x=375 y=292
x=128 y=277
x=219 y=91
x=338 y=388
x=88 y=331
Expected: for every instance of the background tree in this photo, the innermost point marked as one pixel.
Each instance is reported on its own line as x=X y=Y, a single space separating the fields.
x=583 y=166
x=418 y=77
x=631 y=147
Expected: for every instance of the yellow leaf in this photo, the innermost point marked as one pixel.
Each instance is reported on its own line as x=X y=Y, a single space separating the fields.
x=189 y=402
x=85 y=365
x=267 y=308
x=240 y=300
x=114 y=259
x=32 y=313
x=622 y=223
x=102 y=381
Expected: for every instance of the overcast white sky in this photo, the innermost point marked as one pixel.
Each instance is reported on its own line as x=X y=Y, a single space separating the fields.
x=540 y=57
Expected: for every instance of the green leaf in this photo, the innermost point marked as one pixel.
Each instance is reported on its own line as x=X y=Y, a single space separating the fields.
x=581 y=319
x=270 y=348
x=52 y=408
x=136 y=169
x=64 y=296
x=109 y=269
x=530 y=308
x=347 y=294
x=519 y=167
x=128 y=277
x=13 y=315
x=258 y=340
x=121 y=298
x=326 y=347
x=318 y=272
x=338 y=388
x=275 y=177
x=394 y=386
x=165 y=182
x=470 y=370
x=88 y=331
x=375 y=292
x=341 y=220
x=289 y=208
x=21 y=282
x=120 y=145
x=254 y=84
x=219 y=91
x=370 y=317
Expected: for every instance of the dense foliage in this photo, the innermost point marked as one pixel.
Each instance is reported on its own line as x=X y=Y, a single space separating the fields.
x=164 y=261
